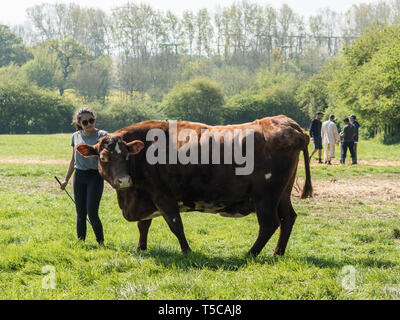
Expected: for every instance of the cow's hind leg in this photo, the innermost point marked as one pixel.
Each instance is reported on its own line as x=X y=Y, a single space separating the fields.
x=287 y=217
x=267 y=216
x=143 y=227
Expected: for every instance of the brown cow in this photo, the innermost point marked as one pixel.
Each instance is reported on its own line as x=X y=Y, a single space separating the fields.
x=146 y=189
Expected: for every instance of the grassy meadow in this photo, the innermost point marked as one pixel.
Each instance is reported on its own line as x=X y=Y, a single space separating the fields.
x=345 y=243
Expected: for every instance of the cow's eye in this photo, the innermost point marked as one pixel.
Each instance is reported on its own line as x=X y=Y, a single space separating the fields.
x=103 y=158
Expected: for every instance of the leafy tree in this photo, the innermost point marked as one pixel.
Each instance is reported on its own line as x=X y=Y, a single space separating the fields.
x=364 y=16
x=43 y=70
x=70 y=55
x=368 y=83
x=97 y=33
x=12 y=48
x=378 y=84
x=233 y=79
x=204 y=32
x=198 y=100
x=93 y=79
x=188 y=26
x=172 y=35
x=89 y=27
x=12 y=72
x=134 y=76
x=315 y=95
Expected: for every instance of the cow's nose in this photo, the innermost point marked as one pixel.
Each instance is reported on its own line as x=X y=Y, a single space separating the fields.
x=124 y=182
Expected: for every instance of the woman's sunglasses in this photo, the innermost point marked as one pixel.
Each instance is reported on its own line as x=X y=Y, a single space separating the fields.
x=86 y=122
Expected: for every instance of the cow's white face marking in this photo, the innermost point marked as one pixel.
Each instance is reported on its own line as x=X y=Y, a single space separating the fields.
x=268 y=176
x=106 y=144
x=174 y=220
x=117 y=148
x=125 y=182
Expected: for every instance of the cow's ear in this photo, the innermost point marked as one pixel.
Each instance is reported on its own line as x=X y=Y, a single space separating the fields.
x=135 y=147
x=87 y=150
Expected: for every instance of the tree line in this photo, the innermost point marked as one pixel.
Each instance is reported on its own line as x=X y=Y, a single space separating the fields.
x=138 y=30
x=230 y=65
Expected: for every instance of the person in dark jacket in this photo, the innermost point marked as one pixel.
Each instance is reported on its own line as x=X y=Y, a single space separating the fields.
x=354 y=122
x=349 y=131
x=315 y=134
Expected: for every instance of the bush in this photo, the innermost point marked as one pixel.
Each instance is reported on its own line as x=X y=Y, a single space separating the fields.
x=199 y=100
x=28 y=109
x=118 y=115
x=276 y=100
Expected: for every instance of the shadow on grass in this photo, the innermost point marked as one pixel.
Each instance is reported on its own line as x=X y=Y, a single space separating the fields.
x=198 y=260
x=169 y=256
x=332 y=263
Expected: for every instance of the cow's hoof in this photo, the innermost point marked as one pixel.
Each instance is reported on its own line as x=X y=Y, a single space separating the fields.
x=277 y=254
x=186 y=251
x=141 y=248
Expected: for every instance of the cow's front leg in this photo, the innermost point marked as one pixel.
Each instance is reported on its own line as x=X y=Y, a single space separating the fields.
x=143 y=227
x=170 y=212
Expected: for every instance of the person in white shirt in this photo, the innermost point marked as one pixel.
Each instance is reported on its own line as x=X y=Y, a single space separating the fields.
x=330 y=137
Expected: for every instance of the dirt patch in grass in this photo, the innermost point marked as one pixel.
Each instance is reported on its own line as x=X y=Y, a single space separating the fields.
x=382 y=163
x=29 y=185
x=366 y=197
x=38 y=184
x=361 y=188
x=34 y=161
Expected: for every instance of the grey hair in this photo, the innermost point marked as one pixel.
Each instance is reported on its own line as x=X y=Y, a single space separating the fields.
x=76 y=120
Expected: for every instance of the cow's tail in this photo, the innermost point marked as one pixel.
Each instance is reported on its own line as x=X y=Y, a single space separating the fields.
x=307 y=189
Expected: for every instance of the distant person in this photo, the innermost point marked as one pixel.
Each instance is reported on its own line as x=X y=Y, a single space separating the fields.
x=315 y=134
x=341 y=145
x=349 y=132
x=88 y=185
x=330 y=137
x=354 y=122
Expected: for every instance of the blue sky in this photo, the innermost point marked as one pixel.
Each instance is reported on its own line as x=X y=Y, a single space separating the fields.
x=14 y=12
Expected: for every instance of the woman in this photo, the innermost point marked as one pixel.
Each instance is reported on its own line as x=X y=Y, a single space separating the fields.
x=87 y=183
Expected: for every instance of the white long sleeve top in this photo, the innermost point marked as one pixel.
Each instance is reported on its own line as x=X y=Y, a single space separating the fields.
x=329 y=132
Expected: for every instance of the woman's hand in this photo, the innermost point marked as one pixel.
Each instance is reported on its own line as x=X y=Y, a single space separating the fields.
x=63 y=185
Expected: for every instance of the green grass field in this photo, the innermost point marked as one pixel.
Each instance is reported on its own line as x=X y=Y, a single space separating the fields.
x=353 y=220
